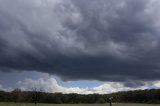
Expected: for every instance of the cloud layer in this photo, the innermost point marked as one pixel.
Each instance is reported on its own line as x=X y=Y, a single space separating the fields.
x=51 y=85
x=106 y=40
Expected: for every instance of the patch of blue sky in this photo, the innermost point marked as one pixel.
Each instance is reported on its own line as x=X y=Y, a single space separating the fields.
x=82 y=83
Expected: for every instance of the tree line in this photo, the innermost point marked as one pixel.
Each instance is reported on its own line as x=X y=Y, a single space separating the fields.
x=137 y=96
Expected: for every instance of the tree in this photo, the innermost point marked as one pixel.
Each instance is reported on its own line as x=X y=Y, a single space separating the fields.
x=101 y=100
x=16 y=94
x=36 y=94
x=110 y=101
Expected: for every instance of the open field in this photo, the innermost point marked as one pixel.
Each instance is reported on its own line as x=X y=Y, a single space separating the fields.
x=22 y=104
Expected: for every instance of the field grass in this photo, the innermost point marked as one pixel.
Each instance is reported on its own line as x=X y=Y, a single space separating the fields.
x=24 y=104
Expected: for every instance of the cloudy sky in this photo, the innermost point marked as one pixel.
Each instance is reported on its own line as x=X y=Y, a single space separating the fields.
x=81 y=46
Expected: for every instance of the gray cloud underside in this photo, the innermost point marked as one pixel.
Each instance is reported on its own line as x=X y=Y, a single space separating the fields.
x=108 y=40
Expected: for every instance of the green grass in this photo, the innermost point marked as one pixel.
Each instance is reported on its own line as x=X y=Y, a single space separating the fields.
x=28 y=104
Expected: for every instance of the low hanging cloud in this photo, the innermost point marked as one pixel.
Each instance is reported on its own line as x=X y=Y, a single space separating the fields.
x=1 y=88
x=5 y=89
x=105 y=40
x=51 y=85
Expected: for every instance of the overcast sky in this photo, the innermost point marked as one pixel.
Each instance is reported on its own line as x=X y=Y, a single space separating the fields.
x=80 y=45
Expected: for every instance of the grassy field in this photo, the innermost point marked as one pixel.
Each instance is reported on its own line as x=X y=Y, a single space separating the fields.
x=22 y=104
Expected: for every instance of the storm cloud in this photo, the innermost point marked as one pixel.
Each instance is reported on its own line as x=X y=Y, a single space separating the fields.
x=107 y=40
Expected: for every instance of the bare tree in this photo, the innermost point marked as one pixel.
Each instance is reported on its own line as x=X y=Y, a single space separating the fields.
x=37 y=89
x=110 y=101
x=36 y=94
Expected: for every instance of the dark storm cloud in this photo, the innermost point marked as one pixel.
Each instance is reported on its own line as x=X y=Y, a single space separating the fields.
x=108 y=40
